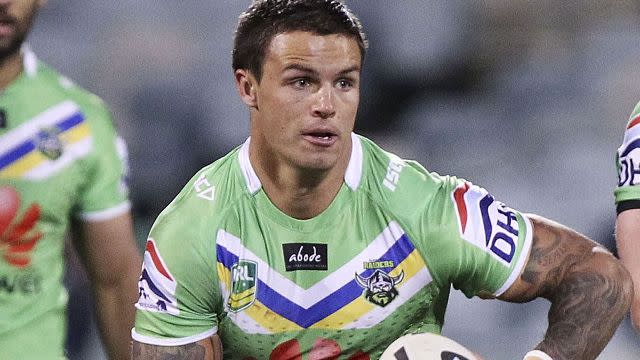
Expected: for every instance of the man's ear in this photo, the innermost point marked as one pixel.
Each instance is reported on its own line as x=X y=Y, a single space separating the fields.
x=246 y=84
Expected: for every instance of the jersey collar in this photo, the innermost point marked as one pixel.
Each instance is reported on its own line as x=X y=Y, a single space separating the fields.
x=29 y=61
x=352 y=176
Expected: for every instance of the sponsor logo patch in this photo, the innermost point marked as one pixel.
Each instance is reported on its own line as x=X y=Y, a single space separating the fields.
x=486 y=223
x=629 y=164
x=310 y=256
x=156 y=286
x=243 y=285
x=18 y=232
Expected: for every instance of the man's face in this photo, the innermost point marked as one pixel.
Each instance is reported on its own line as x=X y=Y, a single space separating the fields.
x=307 y=99
x=16 y=17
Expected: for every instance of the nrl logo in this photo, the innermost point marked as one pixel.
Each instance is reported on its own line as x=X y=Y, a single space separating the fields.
x=49 y=144
x=243 y=285
x=380 y=287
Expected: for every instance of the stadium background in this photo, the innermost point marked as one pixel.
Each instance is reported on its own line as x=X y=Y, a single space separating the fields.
x=527 y=99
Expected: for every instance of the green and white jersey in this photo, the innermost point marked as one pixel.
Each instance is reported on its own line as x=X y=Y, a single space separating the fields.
x=59 y=158
x=376 y=264
x=628 y=163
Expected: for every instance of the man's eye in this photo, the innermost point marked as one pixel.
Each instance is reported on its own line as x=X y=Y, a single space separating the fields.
x=301 y=83
x=345 y=84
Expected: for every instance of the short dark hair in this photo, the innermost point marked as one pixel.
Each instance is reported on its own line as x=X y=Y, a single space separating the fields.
x=265 y=19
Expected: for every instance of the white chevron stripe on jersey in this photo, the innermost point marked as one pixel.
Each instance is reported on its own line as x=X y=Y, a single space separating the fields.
x=46 y=119
x=71 y=153
x=308 y=297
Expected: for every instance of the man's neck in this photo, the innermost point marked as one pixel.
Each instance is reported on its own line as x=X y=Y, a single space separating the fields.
x=10 y=69
x=300 y=193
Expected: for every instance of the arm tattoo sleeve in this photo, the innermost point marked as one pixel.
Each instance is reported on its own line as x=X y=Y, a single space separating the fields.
x=188 y=352
x=589 y=291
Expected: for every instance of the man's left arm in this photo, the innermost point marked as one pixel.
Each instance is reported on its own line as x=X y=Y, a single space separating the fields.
x=589 y=289
x=111 y=258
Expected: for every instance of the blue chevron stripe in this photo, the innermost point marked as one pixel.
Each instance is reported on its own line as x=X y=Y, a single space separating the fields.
x=333 y=302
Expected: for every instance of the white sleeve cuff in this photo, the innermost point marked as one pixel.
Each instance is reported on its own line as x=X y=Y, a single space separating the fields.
x=537 y=355
x=106 y=214
x=172 y=341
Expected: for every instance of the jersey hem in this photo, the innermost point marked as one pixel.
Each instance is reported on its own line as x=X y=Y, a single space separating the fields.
x=172 y=342
x=521 y=260
x=106 y=214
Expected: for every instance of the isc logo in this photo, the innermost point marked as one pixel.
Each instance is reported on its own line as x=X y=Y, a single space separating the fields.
x=393 y=173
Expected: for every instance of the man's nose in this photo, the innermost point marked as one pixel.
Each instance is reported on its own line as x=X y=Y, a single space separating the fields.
x=324 y=105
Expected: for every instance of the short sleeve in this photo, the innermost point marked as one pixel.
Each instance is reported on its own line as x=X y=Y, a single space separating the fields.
x=476 y=243
x=628 y=162
x=105 y=193
x=178 y=291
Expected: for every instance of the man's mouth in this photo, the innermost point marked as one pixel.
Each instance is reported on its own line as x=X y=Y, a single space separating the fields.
x=321 y=138
x=325 y=136
x=7 y=26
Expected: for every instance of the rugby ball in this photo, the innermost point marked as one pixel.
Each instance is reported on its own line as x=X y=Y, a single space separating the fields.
x=426 y=346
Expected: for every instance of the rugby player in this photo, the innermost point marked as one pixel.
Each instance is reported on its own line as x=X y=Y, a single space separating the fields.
x=62 y=167
x=311 y=242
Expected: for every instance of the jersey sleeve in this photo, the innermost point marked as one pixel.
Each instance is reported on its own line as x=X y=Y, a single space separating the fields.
x=105 y=193
x=627 y=193
x=177 y=285
x=473 y=241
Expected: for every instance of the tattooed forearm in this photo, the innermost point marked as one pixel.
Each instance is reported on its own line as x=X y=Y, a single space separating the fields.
x=585 y=312
x=189 y=351
x=589 y=290
x=552 y=253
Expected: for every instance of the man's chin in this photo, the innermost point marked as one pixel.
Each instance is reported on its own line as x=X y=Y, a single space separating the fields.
x=318 y=163
x=9 y=48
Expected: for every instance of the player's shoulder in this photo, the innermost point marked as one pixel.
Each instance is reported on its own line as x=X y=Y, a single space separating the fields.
x=632 y=130
x=628 y=160
x=210 y=192
x=399 y=182
x=58 y=86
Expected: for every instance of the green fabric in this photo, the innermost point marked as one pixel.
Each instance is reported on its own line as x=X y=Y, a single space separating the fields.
x=58 y=160
x=628 y=161
x=215 y=259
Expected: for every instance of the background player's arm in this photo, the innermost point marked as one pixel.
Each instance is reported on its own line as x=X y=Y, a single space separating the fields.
x=108 y=251
x=589 y=289
x=628 y=241
x=206 y=349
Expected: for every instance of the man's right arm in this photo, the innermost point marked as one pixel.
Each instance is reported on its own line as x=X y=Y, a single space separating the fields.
x=628 y=242
x=205 y=349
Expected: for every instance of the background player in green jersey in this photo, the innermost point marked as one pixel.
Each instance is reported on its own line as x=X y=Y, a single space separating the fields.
x=61 y=166
x=627 y=196
x=310 y=242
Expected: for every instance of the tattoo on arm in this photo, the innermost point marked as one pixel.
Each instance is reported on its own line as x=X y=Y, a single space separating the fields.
x=189 y=352
x=588 y=291
x=575 y=326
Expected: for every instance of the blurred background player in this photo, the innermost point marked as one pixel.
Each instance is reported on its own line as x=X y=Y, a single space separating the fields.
x=62 y=167
x=627 y=196
x=309 y=241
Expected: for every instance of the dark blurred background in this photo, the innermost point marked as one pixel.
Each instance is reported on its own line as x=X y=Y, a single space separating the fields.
x=527 y=99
